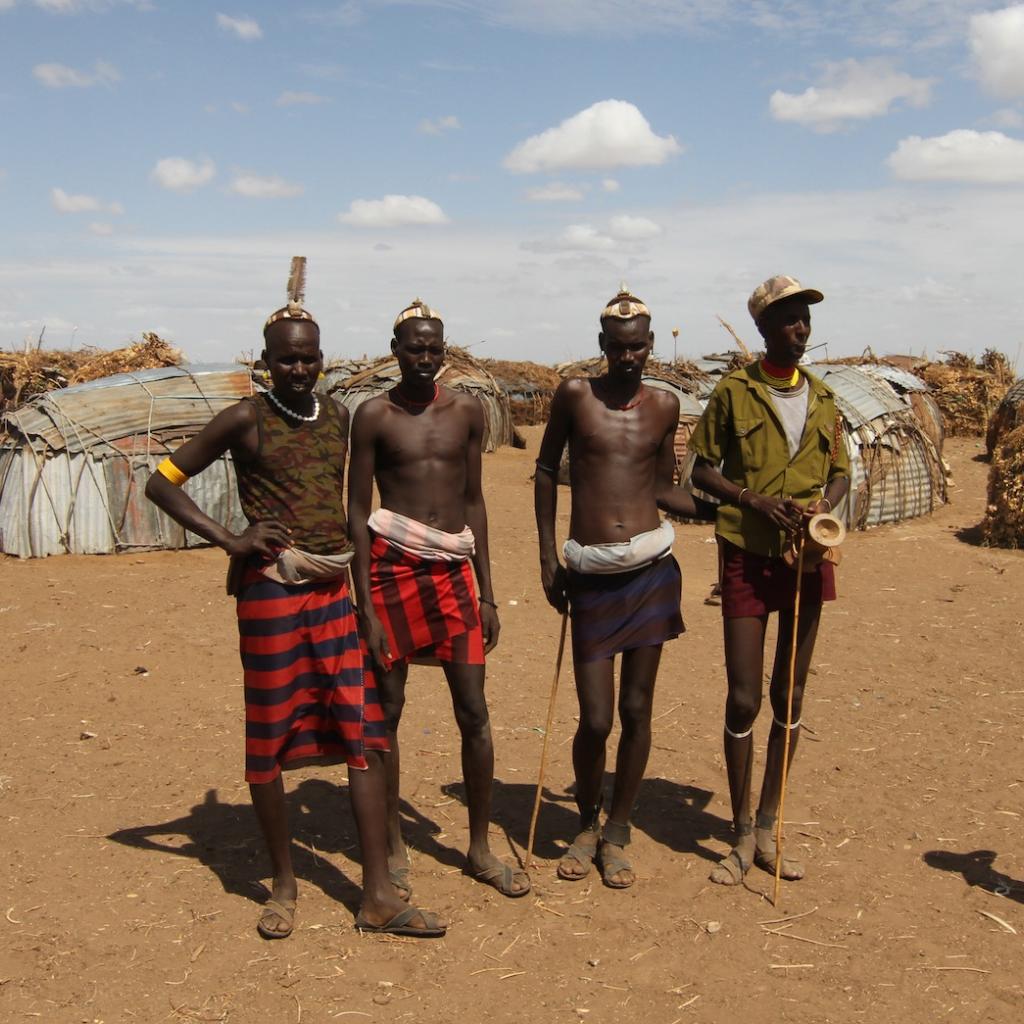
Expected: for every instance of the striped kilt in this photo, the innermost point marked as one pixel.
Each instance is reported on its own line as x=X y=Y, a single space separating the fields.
x=427 y=606
x=310 y=692
x=615 y=612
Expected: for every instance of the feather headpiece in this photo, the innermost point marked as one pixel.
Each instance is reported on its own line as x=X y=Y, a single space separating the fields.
x=296 y=295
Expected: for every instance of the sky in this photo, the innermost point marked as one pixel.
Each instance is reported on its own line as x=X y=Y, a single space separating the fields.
x=511 y=162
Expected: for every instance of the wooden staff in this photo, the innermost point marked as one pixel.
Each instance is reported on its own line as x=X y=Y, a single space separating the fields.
x=547 y=735
x=789 y=714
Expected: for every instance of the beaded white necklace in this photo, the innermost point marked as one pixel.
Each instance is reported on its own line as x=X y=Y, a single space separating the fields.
x=291 y=412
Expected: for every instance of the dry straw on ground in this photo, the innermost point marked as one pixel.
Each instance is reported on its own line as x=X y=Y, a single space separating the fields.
x=1004 y=519
x=28 y=373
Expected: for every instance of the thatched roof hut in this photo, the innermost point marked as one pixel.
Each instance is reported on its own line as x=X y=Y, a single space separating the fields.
x=1004 y=517
x=36 y=369
x=1008 y=416
x=74 y=462
x=528 y=386
x=460 y=371
x=967 y=390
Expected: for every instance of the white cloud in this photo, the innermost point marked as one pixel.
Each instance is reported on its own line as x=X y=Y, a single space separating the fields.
x=1007 y=117
x=439 y=125
x=181 y=175
x=633 y=229
x=964 y=155
x=65 y=202
x=6 y=5
x=393 y=211
x=299 y=99
x=252 y=186
x=610 y=133
x=101 y=228
x=555 y=192
x=244 y=28
x=610 y=185
x=997 y=47
x=60 y=76
x=575 y=238
x=850 y=90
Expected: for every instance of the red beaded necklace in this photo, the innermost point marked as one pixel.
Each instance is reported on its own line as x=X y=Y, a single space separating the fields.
x=405 y=400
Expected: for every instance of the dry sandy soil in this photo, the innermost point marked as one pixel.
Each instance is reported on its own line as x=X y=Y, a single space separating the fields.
x=132 y=869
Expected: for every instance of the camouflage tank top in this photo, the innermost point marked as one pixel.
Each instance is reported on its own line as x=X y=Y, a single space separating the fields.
x=296 y=476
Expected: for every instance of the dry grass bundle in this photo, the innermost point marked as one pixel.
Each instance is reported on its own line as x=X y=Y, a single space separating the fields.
x=28 y=373
x=1004 y=519
x=967 y=391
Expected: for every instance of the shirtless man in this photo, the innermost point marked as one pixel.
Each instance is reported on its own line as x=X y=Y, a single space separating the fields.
x=421 y=443
x=622 y=586
x=770 y=447
x=309 y=698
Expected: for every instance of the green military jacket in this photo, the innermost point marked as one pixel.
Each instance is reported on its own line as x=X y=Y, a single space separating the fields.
x=741 y=431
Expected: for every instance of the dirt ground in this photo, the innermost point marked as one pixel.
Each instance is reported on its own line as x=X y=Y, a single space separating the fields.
x=132 y=869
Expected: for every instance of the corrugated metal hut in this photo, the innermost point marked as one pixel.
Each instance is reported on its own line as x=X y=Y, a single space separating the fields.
x=460 y=371
x=74 y=462
x=1008 y=416
x=916 y=393
x=896 y=468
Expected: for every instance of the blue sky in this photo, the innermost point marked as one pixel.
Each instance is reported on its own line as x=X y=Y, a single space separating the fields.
x=510 y=161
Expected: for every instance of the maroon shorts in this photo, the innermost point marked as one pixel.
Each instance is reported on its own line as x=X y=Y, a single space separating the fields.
x=754 y=585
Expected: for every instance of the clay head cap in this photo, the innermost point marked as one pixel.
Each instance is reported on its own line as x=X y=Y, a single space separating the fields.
x=777 y=288
x=417 y=309
x=624 y=306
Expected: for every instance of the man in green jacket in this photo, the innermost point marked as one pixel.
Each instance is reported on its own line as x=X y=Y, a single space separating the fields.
x=770 y=447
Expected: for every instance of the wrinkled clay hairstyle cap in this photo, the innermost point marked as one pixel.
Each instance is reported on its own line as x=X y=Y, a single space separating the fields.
x=777 y=288
x=296 y=293
x=624 y=306
x=416 y=310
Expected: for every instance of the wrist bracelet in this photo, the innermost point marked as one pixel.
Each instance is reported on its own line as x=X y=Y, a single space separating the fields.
x=829 y=503
x=483 y=600
x=739 y=498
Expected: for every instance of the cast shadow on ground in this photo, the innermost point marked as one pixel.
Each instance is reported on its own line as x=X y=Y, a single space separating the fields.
x=973 y=535
x=976 y=868
x=672 y=814
x=225 y=838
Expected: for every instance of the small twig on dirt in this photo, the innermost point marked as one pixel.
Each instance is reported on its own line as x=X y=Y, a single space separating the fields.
x=182 y=982
x=669 y=712
x=787 y=920
x=543 y=906
x=636 y=956
x=786 y=967
x=298 y=1010
x=484 y=970
x=689 y=1002
x=11 y=919
x=801 y=938
x=999 y=921
x=928 y=967
x=510 y=945
x=811 y=835
x=197 y=952
x=514 y=974
x=350 y=1013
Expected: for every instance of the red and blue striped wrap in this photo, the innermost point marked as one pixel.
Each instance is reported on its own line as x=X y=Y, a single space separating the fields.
x=310 y=691
x=428 y=607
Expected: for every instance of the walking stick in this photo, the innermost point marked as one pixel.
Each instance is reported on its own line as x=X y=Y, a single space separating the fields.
x=789 y=714
x=547 y=735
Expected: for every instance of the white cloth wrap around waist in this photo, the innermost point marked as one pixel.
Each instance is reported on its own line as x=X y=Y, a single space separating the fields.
x=294 y=566
x=621 y=556
x=416 y=538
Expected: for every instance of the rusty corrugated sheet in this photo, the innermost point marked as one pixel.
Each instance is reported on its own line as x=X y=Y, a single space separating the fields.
x=75 y=462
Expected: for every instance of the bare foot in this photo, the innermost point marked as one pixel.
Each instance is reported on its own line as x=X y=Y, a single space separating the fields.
x=616 y=871
x=388 y=913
